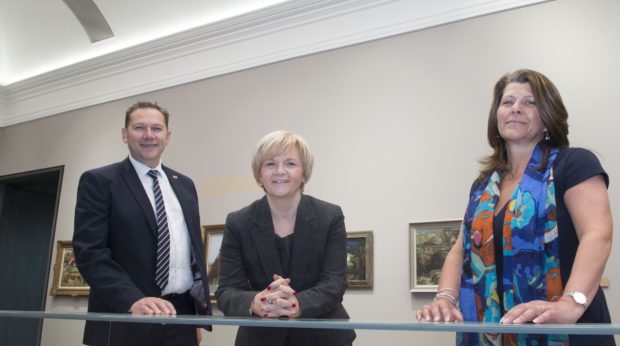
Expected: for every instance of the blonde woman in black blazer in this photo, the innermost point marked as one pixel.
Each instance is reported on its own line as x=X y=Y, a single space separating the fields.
x=284 y=255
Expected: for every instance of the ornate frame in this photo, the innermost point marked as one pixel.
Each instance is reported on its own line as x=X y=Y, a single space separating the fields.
x=429 y=245
x=212 y=236
x=67 y=279
x=359 y=259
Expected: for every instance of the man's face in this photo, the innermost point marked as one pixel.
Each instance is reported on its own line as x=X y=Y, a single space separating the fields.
x=146 y=135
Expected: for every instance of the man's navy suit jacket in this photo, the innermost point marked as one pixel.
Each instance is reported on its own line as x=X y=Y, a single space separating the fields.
x=115 y=244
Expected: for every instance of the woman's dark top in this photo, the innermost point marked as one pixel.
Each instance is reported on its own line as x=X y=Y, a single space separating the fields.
x=284 y=245
x=572 y=167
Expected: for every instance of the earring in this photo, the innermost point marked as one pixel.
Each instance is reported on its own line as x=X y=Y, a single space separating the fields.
x=546 y=135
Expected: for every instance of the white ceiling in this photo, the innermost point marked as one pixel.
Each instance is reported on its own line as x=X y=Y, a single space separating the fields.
x=43 y=35
x=48 y=64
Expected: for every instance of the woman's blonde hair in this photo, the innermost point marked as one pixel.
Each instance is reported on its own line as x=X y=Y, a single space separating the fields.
x=280 y=142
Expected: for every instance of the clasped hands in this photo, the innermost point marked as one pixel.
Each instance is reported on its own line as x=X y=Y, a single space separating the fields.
x=277 y=300
x=563 y=311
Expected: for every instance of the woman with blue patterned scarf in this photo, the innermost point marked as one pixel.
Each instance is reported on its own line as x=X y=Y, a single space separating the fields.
x=537 y=229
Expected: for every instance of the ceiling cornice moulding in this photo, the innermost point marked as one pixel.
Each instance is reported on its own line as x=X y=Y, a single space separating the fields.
x=284 y=31
x=3 y=102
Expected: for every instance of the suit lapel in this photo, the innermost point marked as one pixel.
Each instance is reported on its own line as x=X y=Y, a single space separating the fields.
x=135 y=186
x=181 y=194
x=191 y=214
x=263 y=235
x=304 y=239
x=187 y=205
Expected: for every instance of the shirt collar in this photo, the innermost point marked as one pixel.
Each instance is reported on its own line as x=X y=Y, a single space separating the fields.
x=143 y=169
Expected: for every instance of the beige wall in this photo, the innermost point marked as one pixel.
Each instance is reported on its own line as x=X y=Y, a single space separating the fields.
x=396 y=126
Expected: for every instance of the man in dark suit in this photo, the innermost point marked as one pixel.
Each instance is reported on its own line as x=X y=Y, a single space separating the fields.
x=137 y=239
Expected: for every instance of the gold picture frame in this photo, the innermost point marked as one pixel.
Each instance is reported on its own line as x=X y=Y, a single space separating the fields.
x=429 y=245
x=67 y=278
x=359 y=259
x=212 y=236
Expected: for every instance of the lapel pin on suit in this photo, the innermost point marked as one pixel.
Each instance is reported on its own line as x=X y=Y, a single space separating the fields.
x=175 y=177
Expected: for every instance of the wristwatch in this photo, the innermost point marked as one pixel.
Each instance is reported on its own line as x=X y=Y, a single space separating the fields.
x=578 y=297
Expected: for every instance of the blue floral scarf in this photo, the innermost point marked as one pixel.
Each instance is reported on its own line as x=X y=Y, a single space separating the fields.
x=531 y=264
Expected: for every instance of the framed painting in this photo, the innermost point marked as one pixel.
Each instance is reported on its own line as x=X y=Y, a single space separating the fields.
x=67 y=278
x=213 y=235
x=359 y=259
x=429 y=245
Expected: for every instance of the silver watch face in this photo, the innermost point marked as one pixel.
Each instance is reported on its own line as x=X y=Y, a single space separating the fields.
x=580 y=298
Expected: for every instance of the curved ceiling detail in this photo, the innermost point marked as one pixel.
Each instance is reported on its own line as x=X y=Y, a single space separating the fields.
x=287 y=30
x=91 y=18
